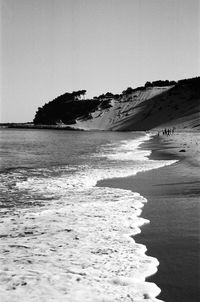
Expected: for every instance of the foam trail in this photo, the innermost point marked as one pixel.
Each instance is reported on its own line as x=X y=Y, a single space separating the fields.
x=82 y=249
x=78 y=247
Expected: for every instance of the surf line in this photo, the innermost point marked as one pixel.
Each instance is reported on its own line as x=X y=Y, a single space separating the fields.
x=138 y=281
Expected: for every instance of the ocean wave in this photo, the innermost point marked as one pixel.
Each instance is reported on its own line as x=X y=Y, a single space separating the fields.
x=79 y=250
x=78 y=246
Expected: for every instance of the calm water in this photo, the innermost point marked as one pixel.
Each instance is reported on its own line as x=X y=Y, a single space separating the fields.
x=63 y=238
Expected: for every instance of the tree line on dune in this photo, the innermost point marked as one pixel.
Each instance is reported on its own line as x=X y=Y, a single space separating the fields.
x=66 y=108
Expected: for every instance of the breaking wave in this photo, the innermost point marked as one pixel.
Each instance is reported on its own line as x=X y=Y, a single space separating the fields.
x=75 y=243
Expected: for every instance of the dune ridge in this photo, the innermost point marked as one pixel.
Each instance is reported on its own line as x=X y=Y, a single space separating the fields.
x=153 y=106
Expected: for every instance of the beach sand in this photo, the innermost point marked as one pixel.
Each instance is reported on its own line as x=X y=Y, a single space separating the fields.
x=173 y=208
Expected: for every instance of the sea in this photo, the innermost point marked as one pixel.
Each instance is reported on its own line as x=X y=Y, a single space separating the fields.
x=63 y=237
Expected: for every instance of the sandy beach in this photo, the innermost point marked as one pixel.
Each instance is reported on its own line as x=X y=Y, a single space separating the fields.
x=173 y=210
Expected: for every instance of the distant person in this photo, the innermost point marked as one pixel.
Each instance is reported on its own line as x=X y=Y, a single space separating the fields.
x=168 y=131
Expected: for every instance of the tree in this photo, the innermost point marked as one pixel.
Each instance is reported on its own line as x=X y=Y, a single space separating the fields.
x=128 y=90
x=148 y=84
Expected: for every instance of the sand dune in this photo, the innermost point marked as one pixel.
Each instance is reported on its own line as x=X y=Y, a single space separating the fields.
x=149 y=108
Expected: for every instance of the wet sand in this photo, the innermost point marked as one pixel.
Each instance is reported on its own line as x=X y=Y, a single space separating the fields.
x=173 y=208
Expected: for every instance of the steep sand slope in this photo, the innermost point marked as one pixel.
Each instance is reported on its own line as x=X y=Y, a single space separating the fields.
x=148 y=108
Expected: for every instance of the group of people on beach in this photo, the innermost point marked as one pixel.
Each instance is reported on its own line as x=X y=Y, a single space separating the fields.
x=166 y=131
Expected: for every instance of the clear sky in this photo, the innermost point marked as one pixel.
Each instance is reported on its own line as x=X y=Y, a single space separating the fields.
x=49 y=47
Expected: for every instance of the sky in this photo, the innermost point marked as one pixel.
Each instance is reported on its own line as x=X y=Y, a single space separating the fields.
x=49 y=47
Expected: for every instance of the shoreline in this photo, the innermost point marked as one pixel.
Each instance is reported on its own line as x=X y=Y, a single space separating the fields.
x=97 y=243
x=37 y=127
x=169 y=190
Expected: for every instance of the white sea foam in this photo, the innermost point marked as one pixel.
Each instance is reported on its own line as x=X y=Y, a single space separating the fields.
x=78 y=247
x=87 y=177
x=127 y=150
x=77 y=251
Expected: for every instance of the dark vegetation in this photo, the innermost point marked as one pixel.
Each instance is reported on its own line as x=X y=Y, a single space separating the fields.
x=130 y=90
x=66 y=108
x=107 y=95
x=160 y=83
